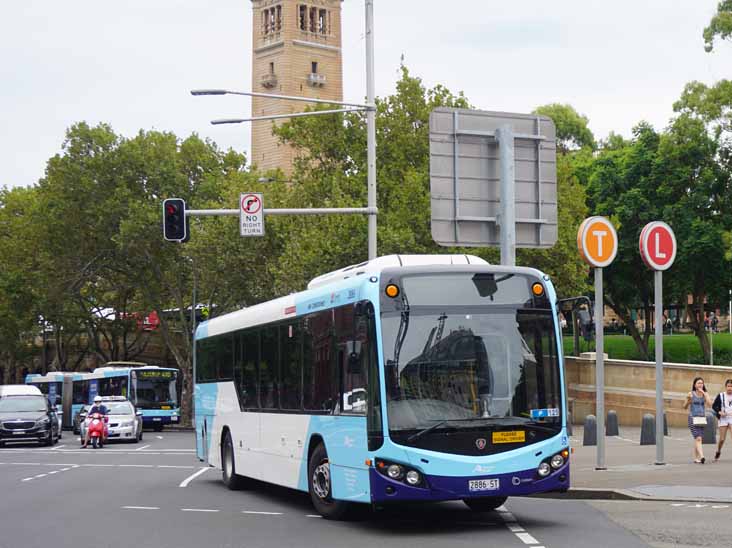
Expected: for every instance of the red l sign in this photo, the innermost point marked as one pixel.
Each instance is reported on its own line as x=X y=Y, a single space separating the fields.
x=657 y=245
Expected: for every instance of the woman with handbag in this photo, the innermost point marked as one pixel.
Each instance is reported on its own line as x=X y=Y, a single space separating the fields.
x=696 y=402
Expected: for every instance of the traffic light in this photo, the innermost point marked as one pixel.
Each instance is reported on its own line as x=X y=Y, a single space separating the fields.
x=175 y=227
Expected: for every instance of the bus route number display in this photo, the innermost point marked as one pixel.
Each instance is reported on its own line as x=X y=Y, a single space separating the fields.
x=155 y=374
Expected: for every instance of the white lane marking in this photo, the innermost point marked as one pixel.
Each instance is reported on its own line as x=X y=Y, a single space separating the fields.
x=174 y=466
x=143 y=447
x=720 y=506
x=262 y=513
x=54 y=472
x=28 y=463
x=315 y=516
x=626 y=439
x=678 y=504
x=136 y=465
x=526 y=538
x=190 y=478
x=26 y=479
x=57 y=447
x=141 y=508
x=40 y=475
x=65 y=469
x=100 y=465
x=513 y=526
x=198 y=510
x=159 y=437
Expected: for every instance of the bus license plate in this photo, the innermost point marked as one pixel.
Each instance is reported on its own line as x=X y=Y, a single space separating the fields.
x=483 y=485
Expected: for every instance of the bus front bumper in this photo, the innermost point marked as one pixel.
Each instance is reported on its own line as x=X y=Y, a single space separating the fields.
x=441 y=488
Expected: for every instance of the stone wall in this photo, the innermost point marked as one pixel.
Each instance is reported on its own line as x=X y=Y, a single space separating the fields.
x=630 y=388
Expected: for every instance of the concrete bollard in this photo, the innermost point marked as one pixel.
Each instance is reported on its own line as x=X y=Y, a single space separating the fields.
x=710 y=430
x=648 y=430
x=612 y=424
x=569 y=424
x=590 y=434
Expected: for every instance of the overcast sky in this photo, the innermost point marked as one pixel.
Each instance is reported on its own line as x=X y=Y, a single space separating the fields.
x=132 y=63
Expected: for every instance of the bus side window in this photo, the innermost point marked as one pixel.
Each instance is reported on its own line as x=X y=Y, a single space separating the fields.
x=352 y=343
x=291 y=366
x=320 y=388
x=246 y=369
x=269 y=368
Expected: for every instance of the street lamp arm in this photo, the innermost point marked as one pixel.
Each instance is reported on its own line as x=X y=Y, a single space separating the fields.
x=283 y=97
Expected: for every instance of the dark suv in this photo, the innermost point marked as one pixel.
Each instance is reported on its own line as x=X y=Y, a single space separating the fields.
x=28 y=418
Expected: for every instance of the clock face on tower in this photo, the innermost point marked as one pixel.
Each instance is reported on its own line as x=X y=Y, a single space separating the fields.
x=296 y=51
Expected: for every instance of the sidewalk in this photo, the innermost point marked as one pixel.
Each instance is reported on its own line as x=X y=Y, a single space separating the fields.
x=632 y=474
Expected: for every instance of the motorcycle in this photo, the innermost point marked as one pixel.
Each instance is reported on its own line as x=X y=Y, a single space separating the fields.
x=97 y=429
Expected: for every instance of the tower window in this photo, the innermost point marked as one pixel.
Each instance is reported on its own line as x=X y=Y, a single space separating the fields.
x=271 y=68
x=314 y=67
x=313 y=19
x=303 y=16
x=272 y=20
x=322 y=22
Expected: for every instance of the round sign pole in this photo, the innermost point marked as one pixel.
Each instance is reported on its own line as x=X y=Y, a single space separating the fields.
x=657 y=245
x=597 y=242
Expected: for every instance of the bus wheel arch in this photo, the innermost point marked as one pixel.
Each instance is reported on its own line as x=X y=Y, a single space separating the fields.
x=229 y=475
x=320 y=485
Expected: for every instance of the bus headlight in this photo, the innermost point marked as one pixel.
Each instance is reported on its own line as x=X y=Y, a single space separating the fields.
x=557 y=461
x=413 y=478
x=544 y=469
x=395 y=471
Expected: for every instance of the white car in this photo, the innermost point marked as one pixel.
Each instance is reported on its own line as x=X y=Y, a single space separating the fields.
x=125 y=422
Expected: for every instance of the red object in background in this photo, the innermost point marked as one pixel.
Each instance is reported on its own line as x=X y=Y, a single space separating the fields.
x=151 y=322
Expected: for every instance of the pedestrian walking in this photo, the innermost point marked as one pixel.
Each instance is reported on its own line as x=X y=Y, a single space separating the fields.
x=722 y=407
x=696 y=402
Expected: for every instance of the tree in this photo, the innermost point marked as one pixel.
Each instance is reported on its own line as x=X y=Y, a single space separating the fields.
x=573 y=131
x=720 y=25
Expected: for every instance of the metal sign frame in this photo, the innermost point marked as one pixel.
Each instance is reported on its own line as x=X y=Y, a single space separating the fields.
x=468 y=150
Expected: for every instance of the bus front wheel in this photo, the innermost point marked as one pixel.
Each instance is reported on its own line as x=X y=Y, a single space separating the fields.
x=228 y=465
x=485 y=504
x=320 y=486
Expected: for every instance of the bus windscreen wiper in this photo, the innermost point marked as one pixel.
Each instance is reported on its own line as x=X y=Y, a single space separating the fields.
x=437 y=425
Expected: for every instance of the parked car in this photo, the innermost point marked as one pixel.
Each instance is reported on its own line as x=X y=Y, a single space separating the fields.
x=125 y=422
x=26 y=415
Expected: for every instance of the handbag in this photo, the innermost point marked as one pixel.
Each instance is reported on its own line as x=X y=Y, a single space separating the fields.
x=699 y=421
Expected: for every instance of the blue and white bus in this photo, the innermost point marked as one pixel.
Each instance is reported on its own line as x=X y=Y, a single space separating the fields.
x=57 y=386
x=150 y=388
x=405 y=378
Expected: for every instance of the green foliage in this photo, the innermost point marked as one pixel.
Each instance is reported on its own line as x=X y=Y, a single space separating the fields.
x=720 y=26
x=572 y=127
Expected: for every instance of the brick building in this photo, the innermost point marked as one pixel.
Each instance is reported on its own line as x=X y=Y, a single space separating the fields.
x=296 y=50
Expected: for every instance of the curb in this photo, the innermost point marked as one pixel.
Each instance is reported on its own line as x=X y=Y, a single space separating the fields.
x=623 y=494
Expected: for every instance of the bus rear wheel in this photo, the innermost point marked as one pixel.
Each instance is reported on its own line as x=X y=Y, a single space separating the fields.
x=485 y=504
x=228 y=465
x=320 y=486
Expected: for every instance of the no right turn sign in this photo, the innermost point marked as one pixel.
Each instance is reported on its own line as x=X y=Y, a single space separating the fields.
x=251 y=214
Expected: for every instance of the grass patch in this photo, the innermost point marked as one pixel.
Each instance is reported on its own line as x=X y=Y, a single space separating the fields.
x=676 y=348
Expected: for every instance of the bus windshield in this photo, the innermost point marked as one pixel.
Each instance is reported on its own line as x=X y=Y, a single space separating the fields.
x=468 y=349
x=156 y=388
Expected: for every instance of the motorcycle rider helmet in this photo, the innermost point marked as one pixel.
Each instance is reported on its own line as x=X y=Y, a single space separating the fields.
x=97 y=399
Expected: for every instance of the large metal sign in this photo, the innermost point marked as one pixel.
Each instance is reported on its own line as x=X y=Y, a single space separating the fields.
x=465 y=177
